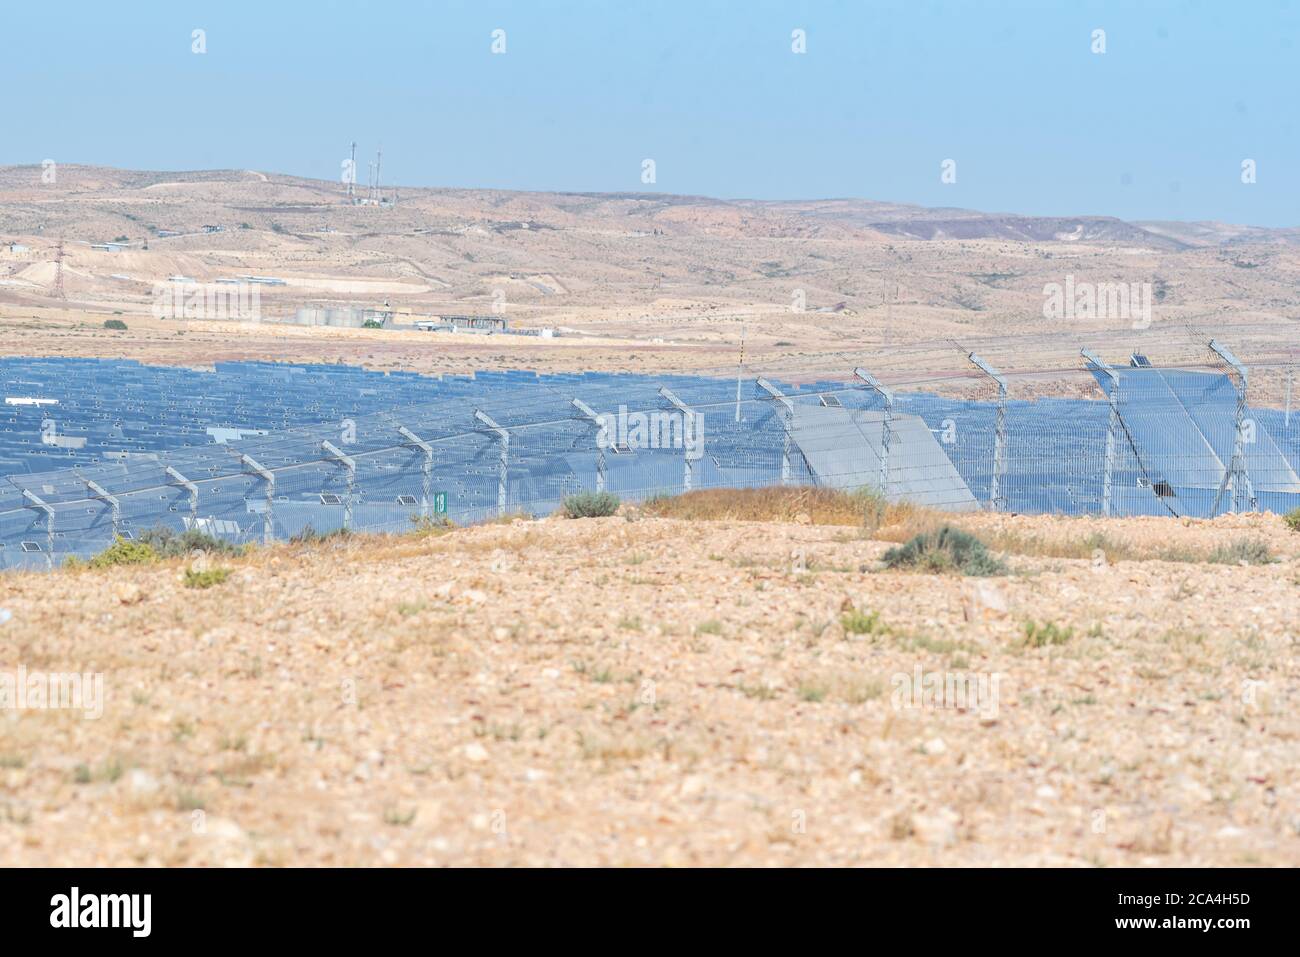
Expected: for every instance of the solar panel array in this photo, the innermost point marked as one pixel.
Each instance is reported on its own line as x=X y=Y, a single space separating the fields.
x=260 y=451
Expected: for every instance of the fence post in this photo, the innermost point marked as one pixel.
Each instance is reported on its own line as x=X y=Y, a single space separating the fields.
x=1243 y=495
x=999 y=434
x=688 y=429
x=1112 y=428
x=504 y=437
x=350 y=464
x=115 y=508
x=886 y=425
x=38 y=503
x=269 y=478
x=426 y=468
x=602 y=438
x=787 y=416
x=181 y=480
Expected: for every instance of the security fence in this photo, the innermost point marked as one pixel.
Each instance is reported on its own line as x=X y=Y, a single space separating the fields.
x=1149 y=441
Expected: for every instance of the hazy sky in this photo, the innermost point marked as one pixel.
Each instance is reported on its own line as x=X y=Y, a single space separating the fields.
x=1157 y=127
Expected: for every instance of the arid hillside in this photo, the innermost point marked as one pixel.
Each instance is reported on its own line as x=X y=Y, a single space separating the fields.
x=680 y=685
x=634 y=281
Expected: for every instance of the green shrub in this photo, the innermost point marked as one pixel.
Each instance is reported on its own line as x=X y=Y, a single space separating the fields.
x=431 y=524
x=372 y=324
x=1292 y=519
x=1252 y=551
x=169 y=543
x=206 y=578
x=857 y=622
x=591 y=505
x=114 y=324
x=124 y=552
x=948 y=549
x=1048 y=633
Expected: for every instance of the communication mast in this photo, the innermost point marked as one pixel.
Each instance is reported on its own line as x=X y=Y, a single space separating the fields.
x=58 y=291
x=352 y=175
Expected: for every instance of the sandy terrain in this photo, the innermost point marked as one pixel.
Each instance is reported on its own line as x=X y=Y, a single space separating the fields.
x=653 y=691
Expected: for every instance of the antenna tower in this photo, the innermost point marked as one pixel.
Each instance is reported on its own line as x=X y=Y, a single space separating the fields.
x=352 y=175
x=58 y=291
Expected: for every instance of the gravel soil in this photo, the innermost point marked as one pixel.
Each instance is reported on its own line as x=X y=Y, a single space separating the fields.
x=637 y=691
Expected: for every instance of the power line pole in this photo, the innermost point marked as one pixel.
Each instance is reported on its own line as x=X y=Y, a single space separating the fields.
x=58 y=273
x=352 y=175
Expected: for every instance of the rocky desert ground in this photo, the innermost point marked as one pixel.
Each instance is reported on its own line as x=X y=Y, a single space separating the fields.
x=642 y=690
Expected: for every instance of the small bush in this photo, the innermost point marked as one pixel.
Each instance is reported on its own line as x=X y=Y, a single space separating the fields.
x=1252 y=551
x=948 y=549
x=591 y=505
x=124 y=552
x=169 y=543
x=1048 y=633
x=431 y=524
x=205 y=579
x=1292 y=519
x=856 y=622
x=114 y=324
x=309 y=535
x=372 y=324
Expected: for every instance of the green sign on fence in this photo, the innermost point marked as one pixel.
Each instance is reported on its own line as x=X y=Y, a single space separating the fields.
x=439 y=503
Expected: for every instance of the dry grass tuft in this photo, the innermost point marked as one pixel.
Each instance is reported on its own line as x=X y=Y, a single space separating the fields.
x=819 y=506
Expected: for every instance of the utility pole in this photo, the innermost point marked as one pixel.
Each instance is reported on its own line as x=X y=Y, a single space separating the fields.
x=740 y=370
x=58 y=292
x=352 y=175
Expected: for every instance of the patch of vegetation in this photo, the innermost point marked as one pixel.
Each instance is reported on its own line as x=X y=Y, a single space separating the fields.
x=812 y=691
x=591 y=505
x=372 y=324
x=431 y=524
x=1292 y=519
x=994 y=279
x=309 y=535
x=948 y=549
x=121 y=552
x=117 y=324
x=206 y=578
x=857 y=622
x=1251 y=551
x=109 y=771
x=169 y=543
x=710 y=627
x=396 y=817
x=1040 y=635
x=816 y=506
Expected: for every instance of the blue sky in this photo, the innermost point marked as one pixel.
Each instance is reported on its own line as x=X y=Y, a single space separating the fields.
x=1157 y=127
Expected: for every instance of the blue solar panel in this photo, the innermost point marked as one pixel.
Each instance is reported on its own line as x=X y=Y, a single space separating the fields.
x=186 y=448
